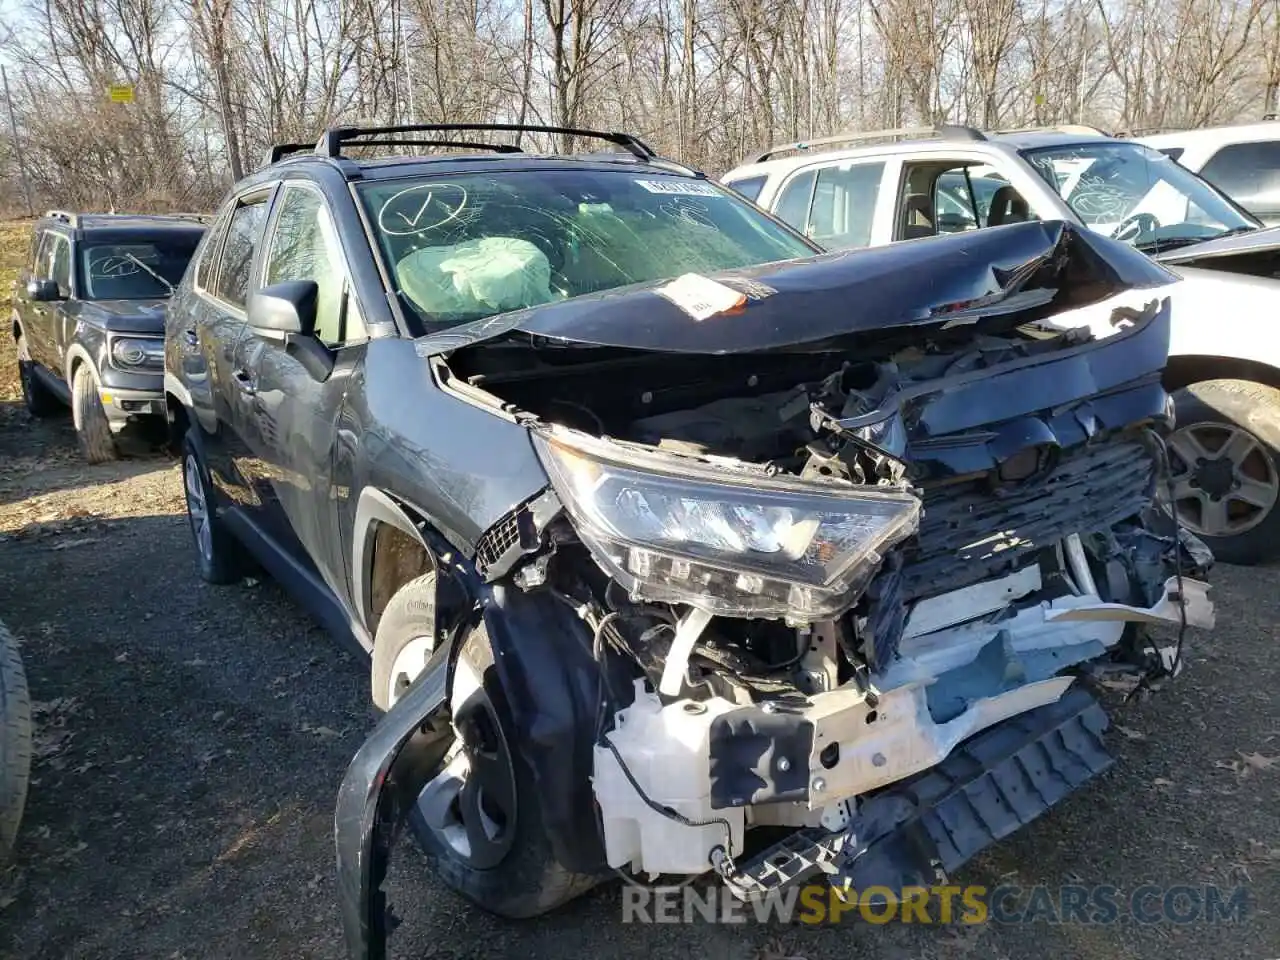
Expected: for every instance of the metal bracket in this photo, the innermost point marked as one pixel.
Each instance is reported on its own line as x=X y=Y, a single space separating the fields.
x=1193 y=600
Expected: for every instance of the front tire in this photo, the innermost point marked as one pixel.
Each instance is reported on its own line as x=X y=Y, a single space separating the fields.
x=39 y=401
x=1225 y=463
x=93 y=430
x=479 y=821
x=220 y=556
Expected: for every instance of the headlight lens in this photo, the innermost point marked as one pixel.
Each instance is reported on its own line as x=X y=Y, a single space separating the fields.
x=136 y=353
x=731 y=544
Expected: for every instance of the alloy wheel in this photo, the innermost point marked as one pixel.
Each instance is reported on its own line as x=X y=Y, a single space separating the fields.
x=471 y=803
x=1224 y=480
x=198 y=508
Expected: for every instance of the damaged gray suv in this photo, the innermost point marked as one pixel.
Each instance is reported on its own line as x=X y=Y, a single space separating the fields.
x=657 y=527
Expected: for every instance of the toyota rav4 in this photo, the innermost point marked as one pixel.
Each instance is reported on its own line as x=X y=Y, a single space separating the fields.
x=656 y=527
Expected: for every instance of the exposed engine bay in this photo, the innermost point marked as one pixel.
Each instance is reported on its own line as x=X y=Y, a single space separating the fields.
x=1029 y=454
x=841 y=558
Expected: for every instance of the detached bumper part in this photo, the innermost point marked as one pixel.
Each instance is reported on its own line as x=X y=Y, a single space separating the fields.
x=382 y=783
x=988 y=788
x=1198 y=608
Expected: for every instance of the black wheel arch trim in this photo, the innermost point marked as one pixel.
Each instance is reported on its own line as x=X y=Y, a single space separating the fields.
x=376 y=506
x=550 y=682
x=1183 y=370
x=542 y=655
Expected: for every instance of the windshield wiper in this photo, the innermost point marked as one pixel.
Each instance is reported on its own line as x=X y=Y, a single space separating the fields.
x=130 y=256
x=1171 y=243
x=1235 y=232
x=1174 y=243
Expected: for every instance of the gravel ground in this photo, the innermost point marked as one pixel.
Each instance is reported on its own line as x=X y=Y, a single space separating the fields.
x=191 y=740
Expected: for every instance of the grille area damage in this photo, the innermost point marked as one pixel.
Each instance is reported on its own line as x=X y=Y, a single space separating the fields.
x=835 y=563
x=998 y=460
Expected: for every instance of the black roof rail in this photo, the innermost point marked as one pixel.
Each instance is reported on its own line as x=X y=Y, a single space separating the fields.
x=330 y=144
x=63 y=215
x=945 y=131
x=469 y=144
x=281 y=150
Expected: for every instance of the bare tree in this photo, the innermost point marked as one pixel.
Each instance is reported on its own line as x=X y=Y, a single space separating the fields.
x=216 y=81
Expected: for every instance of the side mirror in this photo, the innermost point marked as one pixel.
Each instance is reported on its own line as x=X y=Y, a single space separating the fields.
x=284 y=308
x=42 y=291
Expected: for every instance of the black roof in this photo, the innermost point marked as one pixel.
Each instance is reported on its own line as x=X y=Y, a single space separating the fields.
x=124 y=224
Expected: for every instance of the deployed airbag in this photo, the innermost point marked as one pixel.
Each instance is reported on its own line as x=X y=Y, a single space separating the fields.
x=493 y=273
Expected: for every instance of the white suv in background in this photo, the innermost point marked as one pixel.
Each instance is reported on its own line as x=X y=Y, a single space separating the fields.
x=870 y=189
x=1242 y=161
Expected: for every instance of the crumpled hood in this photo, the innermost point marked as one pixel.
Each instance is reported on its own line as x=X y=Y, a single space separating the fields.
x=1038 y=269
x=126 y=316
x=1255 y=241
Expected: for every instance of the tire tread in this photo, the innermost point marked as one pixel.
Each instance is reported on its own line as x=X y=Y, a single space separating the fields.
x=15 y=741
x=92 y=428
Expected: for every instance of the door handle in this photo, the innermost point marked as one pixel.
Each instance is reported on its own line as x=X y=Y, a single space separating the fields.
x=244 y=380
x=192 y=338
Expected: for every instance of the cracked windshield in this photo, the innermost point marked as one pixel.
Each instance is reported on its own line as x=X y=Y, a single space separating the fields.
x=1137 y=195
x=474 y=246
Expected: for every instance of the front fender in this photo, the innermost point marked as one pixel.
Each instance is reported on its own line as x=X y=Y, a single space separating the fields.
x=76 y=353
x=1219 y=314
x=179 y=390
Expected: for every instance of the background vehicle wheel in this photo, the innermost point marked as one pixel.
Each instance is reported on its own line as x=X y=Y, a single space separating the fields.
x=92 y=430
x=40 y=402
x=221 y=557
x=479 y=821
x=15 y=741
x=1225 y=460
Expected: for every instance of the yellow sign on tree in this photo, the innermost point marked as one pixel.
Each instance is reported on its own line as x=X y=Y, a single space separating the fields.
x=121 y=92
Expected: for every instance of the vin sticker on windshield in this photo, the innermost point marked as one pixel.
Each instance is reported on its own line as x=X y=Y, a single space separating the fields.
x=681 y=188
x=701 y=297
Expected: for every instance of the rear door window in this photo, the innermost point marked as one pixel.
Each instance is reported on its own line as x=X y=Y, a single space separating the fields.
x=1249 y=173
x=244 y=235
x=792 y=205
x=844 y=205
x=207 y=262
x=42 y=265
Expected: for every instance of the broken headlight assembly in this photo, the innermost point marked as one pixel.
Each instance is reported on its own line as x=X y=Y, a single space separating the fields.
x=727 y=542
